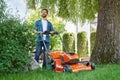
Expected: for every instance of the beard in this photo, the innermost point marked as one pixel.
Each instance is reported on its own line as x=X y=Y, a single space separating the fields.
x=44 y=16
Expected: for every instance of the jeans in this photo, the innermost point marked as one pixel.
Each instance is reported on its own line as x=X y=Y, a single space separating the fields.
x=39 y=50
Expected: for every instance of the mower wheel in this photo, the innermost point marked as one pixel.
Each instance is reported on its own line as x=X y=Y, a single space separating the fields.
x=67 y=68
x=51 y=67
x=91 y=64
x=50 y=63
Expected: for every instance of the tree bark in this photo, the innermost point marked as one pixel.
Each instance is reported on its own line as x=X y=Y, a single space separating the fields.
x=107 y=44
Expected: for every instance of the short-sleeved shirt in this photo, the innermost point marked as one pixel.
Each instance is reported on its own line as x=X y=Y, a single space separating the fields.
x=39 y=27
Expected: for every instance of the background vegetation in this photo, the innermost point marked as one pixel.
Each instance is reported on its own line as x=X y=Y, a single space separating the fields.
x=82 y=44
x=92 y=40
x=69 y=39
x=71 y=10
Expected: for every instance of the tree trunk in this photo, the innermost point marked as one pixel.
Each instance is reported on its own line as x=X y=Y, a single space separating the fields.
x=107 y=44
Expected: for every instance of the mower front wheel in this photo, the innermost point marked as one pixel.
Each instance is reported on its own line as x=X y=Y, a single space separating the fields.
x=67 y=68
x=50 y=63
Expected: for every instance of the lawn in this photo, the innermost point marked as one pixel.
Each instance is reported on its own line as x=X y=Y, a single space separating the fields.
x=102 y=72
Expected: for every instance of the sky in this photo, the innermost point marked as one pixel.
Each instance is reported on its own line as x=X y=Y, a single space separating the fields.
x=17 y=4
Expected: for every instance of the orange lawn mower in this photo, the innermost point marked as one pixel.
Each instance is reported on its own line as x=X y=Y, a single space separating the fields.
x=66 y=61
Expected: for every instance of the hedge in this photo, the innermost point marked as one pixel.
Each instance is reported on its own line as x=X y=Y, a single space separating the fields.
x=69 y=40
x=92 y=40
x=82 y=44
x=16 y=41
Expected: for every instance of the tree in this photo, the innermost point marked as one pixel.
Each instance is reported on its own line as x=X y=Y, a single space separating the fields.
x=107 y=45
x=70 y=10
x=2 y=10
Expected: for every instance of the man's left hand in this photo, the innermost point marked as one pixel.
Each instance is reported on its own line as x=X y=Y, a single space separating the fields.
x=53 y=32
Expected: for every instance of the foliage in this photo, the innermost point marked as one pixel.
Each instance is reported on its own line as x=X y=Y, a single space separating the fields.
x=82 y=44
x=69 y=39
x=15 y=43
x=31 y=4
x=58 y=25
x=68 y=9
x=2 y=9
x=102 y=72
x=92 y=40
x=34 y=15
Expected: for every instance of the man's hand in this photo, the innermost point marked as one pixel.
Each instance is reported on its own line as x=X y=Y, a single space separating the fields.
x=37 y=32
x=53 y=32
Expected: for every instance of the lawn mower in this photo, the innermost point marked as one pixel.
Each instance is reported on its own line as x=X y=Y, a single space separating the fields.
x=60 y=61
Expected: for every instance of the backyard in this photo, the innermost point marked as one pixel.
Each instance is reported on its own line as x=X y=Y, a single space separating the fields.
x=21 y=22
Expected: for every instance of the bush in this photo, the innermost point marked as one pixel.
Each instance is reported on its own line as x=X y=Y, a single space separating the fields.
x=68 y=39
x=92 y=40
x=16 y=41
x=55 y=43
x=82 y=44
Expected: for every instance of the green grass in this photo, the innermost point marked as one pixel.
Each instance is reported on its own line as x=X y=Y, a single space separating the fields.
x=102 y=72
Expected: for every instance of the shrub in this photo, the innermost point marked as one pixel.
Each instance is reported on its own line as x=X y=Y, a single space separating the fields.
x=92 y=40
x=82 y=44
x=55 y=43
x=68 y=39
x=16 y=41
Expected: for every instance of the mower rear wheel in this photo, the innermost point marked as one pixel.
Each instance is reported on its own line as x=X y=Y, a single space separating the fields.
x=91 y=64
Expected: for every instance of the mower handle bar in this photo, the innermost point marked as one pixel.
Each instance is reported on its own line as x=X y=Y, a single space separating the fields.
x=57 y=33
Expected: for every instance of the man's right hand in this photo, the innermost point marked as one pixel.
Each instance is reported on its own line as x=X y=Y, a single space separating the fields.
x=39 y=32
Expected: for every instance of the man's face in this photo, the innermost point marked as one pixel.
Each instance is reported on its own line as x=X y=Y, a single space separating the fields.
x=44 y=13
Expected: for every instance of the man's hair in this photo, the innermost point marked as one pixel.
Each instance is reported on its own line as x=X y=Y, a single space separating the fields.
x=45 y=10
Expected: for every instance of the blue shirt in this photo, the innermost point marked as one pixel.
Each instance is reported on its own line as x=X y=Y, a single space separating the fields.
x=39 y=27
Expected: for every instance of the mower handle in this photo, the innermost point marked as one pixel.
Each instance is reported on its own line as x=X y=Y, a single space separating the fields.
x=57 y=33
x=48 y=32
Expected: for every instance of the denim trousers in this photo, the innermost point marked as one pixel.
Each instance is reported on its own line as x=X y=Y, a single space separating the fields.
x=39 y=50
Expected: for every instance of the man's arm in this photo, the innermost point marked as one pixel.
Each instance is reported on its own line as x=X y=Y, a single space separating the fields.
x=35 y=29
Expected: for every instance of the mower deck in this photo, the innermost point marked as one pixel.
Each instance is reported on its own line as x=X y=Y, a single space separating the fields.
x=68 y=62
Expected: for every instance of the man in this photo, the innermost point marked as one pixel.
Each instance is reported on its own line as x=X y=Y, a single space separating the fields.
x=41 y=26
